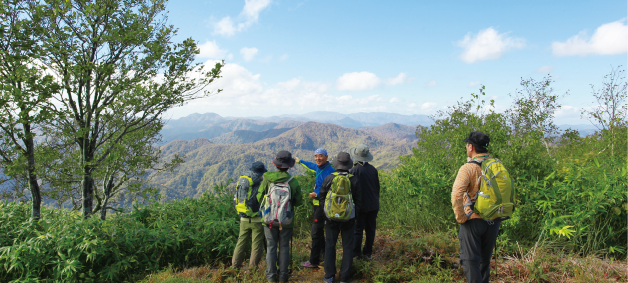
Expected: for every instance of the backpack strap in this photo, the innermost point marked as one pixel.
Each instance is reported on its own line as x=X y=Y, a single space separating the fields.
x=470 y=203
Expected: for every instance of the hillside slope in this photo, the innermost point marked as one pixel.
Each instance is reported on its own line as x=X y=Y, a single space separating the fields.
x=211 y=163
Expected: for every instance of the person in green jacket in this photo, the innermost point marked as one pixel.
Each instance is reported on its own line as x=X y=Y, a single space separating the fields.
x=279 y=236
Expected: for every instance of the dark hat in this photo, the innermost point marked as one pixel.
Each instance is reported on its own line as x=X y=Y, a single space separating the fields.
x=284 y=159
x=361 y=153
x=343 y=161
x=258 y=167
x=479 y=140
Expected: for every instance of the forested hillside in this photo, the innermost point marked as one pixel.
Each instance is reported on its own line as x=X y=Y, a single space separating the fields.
x=210 y=163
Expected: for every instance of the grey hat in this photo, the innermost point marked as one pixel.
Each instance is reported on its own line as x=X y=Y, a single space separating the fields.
x=361 y=153
x=343 y=161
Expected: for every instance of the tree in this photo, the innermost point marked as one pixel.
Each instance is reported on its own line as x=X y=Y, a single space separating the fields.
x=120 y=72
x=25 y=93
x=609 y=111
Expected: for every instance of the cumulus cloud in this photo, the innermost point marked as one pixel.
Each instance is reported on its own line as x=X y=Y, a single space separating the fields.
x=474 y=83
x=210 y=50
x=393 y=100
x=544 y=70
x=608 y=39
x=428 y=105
x=487 y=44
x=357 y=81
x=248 y=16
x=248 y=53
x=399 y=79
x=431 y=83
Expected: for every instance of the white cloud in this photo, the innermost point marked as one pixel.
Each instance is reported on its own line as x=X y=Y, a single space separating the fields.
x=431 y=83
x=474 y=83
x=488 y=44
x=357 y=81
x=544 y=70
x=210 y=50
x=428 y=105
x=608 y=39
x=399 y=79
x=393 y=100
x=283 y=57
x=412 y=105
x=249 y=16
x=248 y=53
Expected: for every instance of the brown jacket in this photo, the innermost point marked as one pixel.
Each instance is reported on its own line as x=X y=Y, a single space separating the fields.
x=467 y=181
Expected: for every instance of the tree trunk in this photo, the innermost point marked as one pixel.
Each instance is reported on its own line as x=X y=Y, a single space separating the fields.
x=107 y=187
x=33 y=185
x=88 y=193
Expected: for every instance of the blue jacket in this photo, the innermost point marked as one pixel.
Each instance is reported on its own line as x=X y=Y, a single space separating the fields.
x=321 y=173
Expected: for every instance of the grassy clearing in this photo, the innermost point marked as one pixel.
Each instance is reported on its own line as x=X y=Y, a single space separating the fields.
x=421 y=257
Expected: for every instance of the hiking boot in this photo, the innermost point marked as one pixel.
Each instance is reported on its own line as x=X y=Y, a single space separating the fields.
x=328 y=280
x=367 y=257
x=307 y=264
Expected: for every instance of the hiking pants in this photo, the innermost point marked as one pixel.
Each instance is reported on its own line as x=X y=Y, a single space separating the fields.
x=332 y=229
x=367 y=222
x=249 y=230
x=318 y=238
x=277 y=239
x=477 y=240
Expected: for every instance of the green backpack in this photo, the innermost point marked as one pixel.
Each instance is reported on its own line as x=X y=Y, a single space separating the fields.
x=338 y=205
x=242 y=194
x=496 y=196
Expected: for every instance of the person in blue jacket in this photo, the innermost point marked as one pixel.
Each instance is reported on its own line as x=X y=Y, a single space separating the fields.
x=322 y=168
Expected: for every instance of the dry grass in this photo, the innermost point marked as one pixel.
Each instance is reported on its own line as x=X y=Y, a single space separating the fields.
x=419 y=257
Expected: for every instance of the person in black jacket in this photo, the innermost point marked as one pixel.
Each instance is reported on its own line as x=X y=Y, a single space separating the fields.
x=342 y=164
x=366 y=220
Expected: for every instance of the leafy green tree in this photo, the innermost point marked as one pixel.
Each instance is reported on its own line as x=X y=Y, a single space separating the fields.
x=25 y=94
x=609 y=111
x=120 y=71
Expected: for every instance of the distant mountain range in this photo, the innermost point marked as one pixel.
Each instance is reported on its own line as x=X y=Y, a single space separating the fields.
x=208 y=162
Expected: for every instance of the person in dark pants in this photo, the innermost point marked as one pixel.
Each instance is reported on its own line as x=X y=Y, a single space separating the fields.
x=366 y=221
x=477 y=236
x=333 y=228
x=322 y=168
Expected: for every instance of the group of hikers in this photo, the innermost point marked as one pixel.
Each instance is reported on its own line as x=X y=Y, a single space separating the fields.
x=345 y=201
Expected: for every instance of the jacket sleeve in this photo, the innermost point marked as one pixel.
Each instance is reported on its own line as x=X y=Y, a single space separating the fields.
x=262 y=190
x=297 y=196
x=357 y=194
x=320 y=213
x=461 y=185
x=309 y=165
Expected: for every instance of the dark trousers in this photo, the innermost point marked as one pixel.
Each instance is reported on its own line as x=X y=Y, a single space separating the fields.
x=367 y=222
x=477 y=240
x=347 y=230
x=318 y=237
x=277 y=240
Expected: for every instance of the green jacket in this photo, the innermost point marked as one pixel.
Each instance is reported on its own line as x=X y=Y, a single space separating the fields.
x=278 y=176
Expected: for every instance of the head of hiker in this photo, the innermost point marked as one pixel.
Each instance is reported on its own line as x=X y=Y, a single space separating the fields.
x=477 y=143
x=320 y=156
x=361 y=153
x=284 y=160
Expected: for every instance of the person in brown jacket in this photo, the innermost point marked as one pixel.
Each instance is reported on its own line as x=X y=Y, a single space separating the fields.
x=477 y=236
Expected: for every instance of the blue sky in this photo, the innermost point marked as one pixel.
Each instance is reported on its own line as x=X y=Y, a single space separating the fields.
x=408 y=57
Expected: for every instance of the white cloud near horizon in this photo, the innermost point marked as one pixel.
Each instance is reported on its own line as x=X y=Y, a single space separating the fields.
x=210 y=50
x=608 y=39
x=248 y=53
x=487 y=44
x=394 y=100
x=471 y=84
x=357 y=81
x=249 y=16
x=544 y=70
x=431 y=83
x=399 y=79
x=428 y=105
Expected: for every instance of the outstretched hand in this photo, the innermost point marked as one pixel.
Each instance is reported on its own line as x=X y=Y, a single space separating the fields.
x=298 y=160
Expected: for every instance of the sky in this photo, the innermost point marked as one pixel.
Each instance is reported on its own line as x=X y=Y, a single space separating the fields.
x=407 y=57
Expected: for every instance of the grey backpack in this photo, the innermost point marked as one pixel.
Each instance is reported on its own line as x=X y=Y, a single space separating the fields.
x=276 y=209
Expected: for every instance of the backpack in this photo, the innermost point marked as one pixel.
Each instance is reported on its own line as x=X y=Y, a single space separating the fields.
x=338 y=205
x=496 y=197
x=276 y=207
x=245 y=197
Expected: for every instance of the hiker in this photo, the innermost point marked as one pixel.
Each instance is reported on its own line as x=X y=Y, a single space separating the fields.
x=341 y=201
x=322 y=168
x=247 y=207
x=366 y=220
x=278 y=194
x=477 y=234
